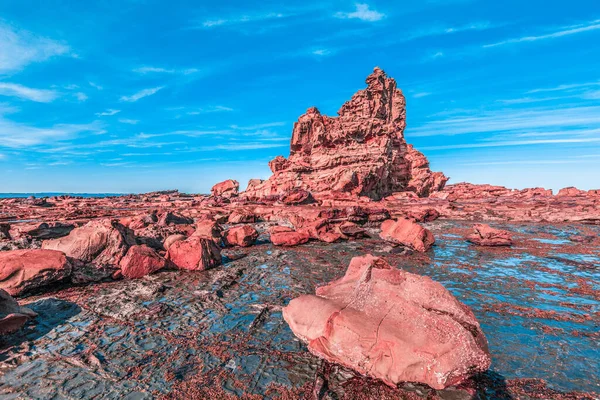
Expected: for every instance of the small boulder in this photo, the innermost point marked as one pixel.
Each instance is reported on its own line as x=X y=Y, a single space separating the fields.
x=141 y=261
x=228 y=188
x=243 y=236
x=484 y=235
x=284 y=236
x=12 y=316
x=194 y=254
x=172 y=218
x=407 y=233
x=296 y=197
x=25 y=270
x=391 y=325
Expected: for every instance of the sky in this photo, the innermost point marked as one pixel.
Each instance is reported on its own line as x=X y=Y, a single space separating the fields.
x=141 y=95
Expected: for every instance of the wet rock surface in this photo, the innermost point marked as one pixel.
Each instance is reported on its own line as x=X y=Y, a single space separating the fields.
x=220 y=332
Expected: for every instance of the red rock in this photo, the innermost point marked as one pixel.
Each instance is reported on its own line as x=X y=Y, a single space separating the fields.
x=172 y=239
x=283 y=236
x=391 y=325
x=25 y=270
x=243 y=236
x=241 y=217
x=209 y=229
x=361 y=152
x=423 y=215
x=407 y=233
x=12 y=316
x=103 y=242
x=485 y=235
x=4 y=231
x=45 y=230
x=582 y=238
x=296 y=197
x=172 y=218
x=228 y=188
x=195 y=254
x=571 y=191
x=350 y=230
x=141 y=261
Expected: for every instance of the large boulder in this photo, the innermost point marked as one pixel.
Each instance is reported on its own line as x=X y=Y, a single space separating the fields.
x=12 y=316
x=361 y=152
x=26 y=270
x=141 y=261
x=228 y=188
x=243 y=236
x=407 y=233
x=209 y=229
x=103 y=242
x=391 y=325
x=195 y=254
x=485 y=235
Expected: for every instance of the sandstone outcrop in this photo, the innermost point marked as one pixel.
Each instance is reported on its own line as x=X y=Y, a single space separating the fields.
x=25 y=270
x=361 y=152
x=243 y=236
x=284 y=236
x=391 y=325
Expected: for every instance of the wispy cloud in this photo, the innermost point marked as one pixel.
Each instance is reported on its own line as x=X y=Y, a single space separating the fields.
x=18 y=48
x=421 y=94
x=506 y=143
x=141 y=94
x=129 y=121
x=563 y=31
x=362 y=12
x=95 y=86
x=240 y=19
x=108 y=112
x=565 y=87
x=209 y=110
x=17 y=135
x=160 y=70
x=81 y=96
x=27 y=93
x=511 y=120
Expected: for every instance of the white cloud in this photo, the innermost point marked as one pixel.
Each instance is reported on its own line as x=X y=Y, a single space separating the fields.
x=23 y=92
x=108 y=112
x=564 y=31
x=362 y=12
x=322 y=52
x=209 y=110
x=505 y=143
x=141 y=94
x=20 y=48
x=509 y=120
x=81 y=96
x=16 y=135
x=236 y=20
x=95 y=86
x=561 y=88
x=159 y=70
x=128 y=121
x=421 y=94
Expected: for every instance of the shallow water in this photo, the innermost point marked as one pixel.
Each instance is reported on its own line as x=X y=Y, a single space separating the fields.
x=538 y=304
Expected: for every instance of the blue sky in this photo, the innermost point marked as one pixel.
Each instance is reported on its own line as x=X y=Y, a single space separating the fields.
x=130 y=96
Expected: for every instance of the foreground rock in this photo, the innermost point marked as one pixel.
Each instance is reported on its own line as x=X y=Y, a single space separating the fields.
x=407 y=233
x=12 y=316
x=391 y=325
x=25 y=270
x=103 y=242
x=141 y=261
x=485 y=235
x=362 y=152
x=194 y=254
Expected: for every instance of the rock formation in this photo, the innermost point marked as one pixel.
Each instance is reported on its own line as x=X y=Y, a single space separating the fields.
x=361 y=152
x=391 y=325
x=407 y=233
x=485 y=235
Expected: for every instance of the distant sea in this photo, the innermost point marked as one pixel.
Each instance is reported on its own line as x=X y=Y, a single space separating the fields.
x=51 y=194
